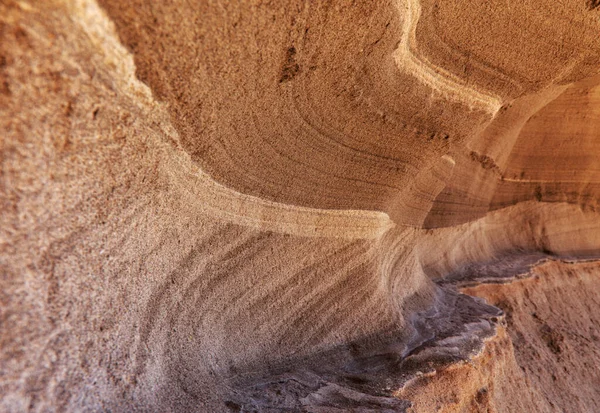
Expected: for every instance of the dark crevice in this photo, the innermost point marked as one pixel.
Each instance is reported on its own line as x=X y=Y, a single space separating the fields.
x=593 y=4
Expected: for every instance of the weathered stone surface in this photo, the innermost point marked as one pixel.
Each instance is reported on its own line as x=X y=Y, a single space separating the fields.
x=299 y=206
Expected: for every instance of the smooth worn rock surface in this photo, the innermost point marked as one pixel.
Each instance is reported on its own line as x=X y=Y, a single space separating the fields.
x=304 y=206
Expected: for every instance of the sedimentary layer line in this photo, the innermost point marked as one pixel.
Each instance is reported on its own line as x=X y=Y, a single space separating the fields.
x=230 y=205
x=437 y=78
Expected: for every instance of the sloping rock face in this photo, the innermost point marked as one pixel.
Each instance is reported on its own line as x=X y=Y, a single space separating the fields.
x=313 y=206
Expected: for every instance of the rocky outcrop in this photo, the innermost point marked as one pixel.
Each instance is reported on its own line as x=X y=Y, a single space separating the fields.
x=298 y=206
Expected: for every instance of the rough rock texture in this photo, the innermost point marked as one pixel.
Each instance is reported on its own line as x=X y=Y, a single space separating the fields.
x=318 y=206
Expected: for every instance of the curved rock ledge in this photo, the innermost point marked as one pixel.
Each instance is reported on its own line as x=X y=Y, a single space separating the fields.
x=440 y=80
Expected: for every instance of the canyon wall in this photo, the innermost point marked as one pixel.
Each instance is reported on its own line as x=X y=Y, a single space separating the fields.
x=299 y=206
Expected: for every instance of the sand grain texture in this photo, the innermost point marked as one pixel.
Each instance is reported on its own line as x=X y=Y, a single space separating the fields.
x=299 y=206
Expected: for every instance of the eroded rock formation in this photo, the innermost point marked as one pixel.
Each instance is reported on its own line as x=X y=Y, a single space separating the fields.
x=299 y=206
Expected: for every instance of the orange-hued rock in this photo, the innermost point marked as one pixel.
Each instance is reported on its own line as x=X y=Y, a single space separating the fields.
x=490 y=382
x=264 y=206
x=552 y=322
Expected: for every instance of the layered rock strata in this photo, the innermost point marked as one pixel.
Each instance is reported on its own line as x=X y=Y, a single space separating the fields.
x=299 y=206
